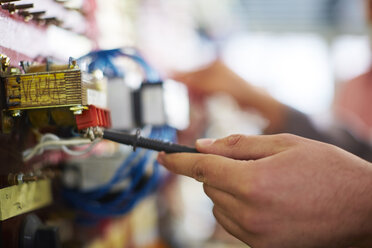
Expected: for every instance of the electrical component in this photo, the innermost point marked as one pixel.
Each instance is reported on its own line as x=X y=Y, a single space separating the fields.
x=163 y=103
x=89 y=173
x=120 y=103
x=115 y=190
x=20 y=178
x=53 y=95
x=156 y=102
x=149 y=105
x=93 y=117
x=139 y=172
x=19 y=199
x=45 y=90
x=34 y=234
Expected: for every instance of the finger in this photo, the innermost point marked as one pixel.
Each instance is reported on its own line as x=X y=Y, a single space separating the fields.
x=230 y=226
x=244 y=147
x=226 y=201
x=181 y=76
x=208 y=168
x=188 y=78
x=196 y=74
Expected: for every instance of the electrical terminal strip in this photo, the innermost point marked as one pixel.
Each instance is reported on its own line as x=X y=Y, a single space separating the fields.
x=93 y=117
x=93 y=133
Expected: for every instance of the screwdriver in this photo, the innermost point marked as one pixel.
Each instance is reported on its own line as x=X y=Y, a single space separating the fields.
x=136 y=140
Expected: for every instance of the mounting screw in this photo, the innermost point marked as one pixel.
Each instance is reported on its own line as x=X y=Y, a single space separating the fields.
x=5 y=62
x=20 y=178
x=78 y=110
x=14 y=71
x=16 y=113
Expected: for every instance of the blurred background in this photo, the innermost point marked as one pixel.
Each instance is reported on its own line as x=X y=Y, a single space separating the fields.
x=301 y=52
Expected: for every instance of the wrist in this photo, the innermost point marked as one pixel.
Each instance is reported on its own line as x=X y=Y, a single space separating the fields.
x=276 y=113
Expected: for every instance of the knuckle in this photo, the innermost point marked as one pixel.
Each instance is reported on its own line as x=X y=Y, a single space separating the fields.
x=233 y=140
x=199 y=170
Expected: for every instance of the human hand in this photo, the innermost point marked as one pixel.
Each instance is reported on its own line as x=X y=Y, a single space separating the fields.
x=283 y=190
x=215 y=78
x=218 y=78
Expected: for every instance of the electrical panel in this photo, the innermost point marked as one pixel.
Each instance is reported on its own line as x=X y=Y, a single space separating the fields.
x=47 y=105
x=58 y=177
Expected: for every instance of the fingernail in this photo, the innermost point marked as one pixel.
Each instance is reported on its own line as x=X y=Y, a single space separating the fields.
x=161 y=157
x=204 y=142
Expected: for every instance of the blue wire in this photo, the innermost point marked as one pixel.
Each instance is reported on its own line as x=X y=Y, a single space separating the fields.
x=89 y=201
x=97 y=207
x=106 y=210
x=129 y=197
x=102 y=59
x=102 y=190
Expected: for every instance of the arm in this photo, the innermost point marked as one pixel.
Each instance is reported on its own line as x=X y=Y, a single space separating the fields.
x=282 y=189
x=281 y=118
x=300 y=124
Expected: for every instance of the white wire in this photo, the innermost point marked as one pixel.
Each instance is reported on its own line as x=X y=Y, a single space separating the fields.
x=53 y=142
x=81 y=152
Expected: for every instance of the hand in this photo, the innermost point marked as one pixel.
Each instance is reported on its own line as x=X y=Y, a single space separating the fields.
x=283 y=190
x=218 y=78
x=215 y=78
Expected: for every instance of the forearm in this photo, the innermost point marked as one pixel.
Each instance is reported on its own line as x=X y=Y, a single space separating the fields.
x=300 y=124
x=283 y=119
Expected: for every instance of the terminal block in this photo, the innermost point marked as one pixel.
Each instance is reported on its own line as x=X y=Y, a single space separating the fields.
x=93 y=117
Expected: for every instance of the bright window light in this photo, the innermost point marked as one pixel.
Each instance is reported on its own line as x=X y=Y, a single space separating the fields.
x=294 y=68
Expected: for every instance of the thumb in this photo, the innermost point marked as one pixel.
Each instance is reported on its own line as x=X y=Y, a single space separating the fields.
x=244 y=147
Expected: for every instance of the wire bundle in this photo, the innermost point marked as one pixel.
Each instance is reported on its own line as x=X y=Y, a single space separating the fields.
x=51 y=141
x=142 y=180
x=140 y=169
x=103 y=60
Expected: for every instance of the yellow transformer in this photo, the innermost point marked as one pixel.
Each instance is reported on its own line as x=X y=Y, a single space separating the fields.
x=45 y=90
x=52 y=97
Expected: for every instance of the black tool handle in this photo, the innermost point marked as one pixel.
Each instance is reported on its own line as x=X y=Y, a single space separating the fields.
x=153 y=144
x=167 y=147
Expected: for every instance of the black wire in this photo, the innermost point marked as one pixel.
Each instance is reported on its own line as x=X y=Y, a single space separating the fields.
x=138 y=141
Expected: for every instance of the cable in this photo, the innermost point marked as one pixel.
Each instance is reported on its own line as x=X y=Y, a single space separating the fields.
x=153 y=144
x=53 y=142
x=102 y=59
x=135 y=170
x=140 y=169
